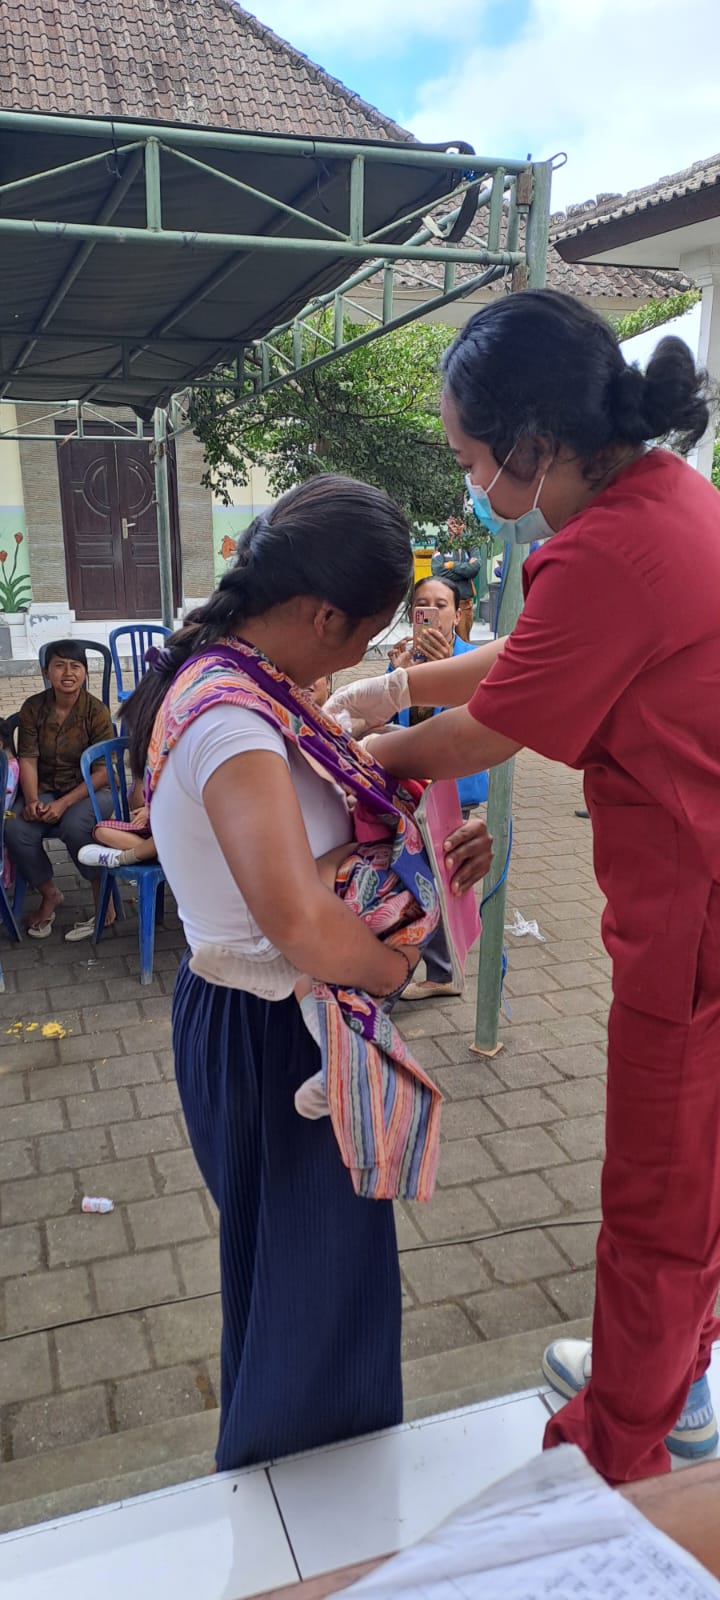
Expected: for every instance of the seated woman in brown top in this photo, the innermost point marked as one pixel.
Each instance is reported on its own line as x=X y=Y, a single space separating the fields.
x=56 y=726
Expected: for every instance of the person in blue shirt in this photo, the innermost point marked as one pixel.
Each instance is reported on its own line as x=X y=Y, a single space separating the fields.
x=438 y=644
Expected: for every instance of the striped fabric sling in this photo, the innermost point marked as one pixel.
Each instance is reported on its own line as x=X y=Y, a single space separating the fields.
x=385 y=1110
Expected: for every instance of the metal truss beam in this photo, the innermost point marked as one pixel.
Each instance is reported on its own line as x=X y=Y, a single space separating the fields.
x=449 y=158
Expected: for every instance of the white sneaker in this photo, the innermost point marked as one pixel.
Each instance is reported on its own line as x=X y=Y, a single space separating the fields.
x=100 y=855
x=567 y=1365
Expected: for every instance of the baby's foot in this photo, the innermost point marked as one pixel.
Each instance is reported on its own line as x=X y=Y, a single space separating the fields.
x=311 y=1099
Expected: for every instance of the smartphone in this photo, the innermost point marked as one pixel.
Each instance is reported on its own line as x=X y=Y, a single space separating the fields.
x=423 y=617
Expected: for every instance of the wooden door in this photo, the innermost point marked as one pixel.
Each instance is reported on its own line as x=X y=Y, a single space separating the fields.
x=107 y=492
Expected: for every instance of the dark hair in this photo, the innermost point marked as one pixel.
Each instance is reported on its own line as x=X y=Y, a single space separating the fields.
x=434 y=577
x=6 y=738
x=543 y=366
x=68 y=649
x=332 y=538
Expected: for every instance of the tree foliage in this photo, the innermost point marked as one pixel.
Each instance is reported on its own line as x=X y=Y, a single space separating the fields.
x=654 y=314
x=372 y=414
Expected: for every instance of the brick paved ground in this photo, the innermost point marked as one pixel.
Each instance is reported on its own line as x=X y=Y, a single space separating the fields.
x=110 y=1322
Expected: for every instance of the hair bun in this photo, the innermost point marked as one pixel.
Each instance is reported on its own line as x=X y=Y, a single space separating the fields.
x=671 y=397
x=627 y=401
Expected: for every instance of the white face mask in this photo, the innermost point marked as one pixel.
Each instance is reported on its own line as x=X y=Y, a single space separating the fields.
x=526 y=529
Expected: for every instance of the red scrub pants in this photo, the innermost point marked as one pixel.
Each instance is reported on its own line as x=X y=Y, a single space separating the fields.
x=658 y=1254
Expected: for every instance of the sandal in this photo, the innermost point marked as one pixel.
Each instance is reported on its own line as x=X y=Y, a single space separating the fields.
x=41 y=930
x=428 y=990
x=81 y=930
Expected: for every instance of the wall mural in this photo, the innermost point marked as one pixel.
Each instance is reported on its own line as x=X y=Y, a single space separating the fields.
x=15 y=584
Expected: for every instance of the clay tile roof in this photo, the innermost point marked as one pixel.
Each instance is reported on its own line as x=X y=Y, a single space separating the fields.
x=197 y=61
x=600 y=283
x=580 y=219
x=211 y=62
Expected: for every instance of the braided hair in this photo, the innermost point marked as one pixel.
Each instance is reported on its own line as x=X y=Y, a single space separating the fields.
x=333 y=538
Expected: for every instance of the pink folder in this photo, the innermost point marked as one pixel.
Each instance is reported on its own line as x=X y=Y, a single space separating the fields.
x=437 y=816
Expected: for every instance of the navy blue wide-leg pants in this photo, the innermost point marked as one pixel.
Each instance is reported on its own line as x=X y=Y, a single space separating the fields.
x=309 y=1272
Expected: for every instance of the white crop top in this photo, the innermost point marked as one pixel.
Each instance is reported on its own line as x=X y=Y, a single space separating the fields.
x=210 y=904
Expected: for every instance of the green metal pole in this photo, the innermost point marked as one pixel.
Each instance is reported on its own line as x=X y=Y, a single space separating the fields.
x=357 y=198
x=500 y=789
x=236 y=242
x=162 y=498
x=153 y=197
x=408 y=155
x=538 y=225
x=499 y=815
x=387 y=294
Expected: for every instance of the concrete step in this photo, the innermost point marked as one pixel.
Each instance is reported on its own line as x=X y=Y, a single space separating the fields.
x=56 y=1483
x=79 y=1477
x=478 y=1372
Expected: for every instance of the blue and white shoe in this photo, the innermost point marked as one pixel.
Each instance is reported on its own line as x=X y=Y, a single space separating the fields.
x=695 y=1434
x=567 y=1365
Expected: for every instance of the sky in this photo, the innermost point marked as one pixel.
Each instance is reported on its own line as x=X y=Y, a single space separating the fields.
x=629 y=89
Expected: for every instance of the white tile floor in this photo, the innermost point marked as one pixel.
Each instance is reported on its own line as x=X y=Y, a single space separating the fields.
x=218 y=1539
x=381 y=1494
x=236 y=1535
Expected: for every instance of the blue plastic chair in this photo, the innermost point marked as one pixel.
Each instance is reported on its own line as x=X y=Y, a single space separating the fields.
x=6 y=910
x=149 y=876
x=141 y=636
x=20 y=887
x=86 y=644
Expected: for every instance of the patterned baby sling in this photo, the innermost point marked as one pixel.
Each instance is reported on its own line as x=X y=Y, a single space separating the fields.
x=385 y=1110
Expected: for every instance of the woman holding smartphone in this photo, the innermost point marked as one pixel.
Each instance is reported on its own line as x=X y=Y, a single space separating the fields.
x=434 y=609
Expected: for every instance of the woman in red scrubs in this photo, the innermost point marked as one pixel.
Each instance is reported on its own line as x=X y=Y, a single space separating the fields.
x=612 y=668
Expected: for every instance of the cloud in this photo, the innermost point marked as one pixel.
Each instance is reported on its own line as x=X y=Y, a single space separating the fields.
x=372 y=29
x=629 y=88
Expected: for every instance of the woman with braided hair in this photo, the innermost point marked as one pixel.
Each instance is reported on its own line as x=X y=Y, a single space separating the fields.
x=612 y=668
x=247 y=784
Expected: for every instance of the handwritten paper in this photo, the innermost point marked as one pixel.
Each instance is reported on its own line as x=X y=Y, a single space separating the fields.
x=551 y=1531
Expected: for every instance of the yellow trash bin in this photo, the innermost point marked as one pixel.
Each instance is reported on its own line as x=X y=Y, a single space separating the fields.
x=422 y=559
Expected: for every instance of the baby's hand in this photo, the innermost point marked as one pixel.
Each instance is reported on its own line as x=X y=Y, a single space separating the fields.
x=303 y=987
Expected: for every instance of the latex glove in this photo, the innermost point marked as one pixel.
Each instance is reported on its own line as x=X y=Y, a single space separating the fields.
x=371 y=702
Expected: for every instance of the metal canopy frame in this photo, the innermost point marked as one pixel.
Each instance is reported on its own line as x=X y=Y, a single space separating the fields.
x=164 y=251
x=111 y=215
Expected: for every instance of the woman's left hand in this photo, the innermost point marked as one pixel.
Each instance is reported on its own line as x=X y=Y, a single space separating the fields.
x=468 y=853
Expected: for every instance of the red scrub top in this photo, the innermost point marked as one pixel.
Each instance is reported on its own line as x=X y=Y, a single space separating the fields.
x=614 y=668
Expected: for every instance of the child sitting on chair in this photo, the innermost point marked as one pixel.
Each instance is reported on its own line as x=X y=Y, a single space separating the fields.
x=13 y=777
x=122 y=844
x=11 y=789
